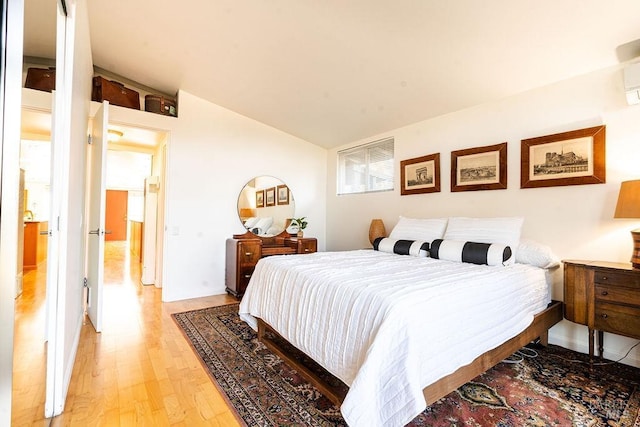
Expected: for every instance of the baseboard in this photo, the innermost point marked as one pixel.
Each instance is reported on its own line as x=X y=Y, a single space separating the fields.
x=610 y=352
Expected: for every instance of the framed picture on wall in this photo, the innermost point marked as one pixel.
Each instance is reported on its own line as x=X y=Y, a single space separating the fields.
x=260 y=199
x=568 y=158
x=270 y=196
x=420 y=175
x=479 y=168
x=283 y=194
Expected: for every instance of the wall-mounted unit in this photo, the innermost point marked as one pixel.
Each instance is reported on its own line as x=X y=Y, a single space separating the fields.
x=632 y=83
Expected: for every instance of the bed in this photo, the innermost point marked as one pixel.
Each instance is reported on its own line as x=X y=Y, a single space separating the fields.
x=400 y=331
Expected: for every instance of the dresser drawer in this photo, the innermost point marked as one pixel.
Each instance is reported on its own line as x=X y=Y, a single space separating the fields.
x=244 y=275
x=249 y=253
x=617 y=294
x=618 y=278
x=618 y=319
x=307 y=246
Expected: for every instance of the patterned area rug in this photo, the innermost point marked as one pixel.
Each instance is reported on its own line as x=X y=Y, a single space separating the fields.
x=554 y=388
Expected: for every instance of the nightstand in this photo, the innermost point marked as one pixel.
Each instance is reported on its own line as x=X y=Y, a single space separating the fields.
x=604 y=296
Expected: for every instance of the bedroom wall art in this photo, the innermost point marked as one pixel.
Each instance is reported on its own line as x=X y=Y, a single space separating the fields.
x=479 y=168
x=283 y=195
x=270 y=196
x=568 y=158
x=260 y=199
x=420 y=175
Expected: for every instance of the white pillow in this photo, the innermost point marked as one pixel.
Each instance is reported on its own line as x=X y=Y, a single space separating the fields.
x=273 y=230
x=251 y=222
x=505 y=231
x=536 y=254
x=425 y=230
x=263 y=224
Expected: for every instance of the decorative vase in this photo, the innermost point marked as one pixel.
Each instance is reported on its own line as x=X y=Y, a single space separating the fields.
x=300 y=233
x=376 y=229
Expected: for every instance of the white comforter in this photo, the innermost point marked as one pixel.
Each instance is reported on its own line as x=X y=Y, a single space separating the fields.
x=389 y=325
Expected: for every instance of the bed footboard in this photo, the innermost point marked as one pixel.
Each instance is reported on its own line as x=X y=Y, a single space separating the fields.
x=335 y=390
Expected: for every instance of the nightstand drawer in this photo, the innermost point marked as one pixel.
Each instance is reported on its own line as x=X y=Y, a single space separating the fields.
x=618 y=319
x=616 y=294
x=618 y=278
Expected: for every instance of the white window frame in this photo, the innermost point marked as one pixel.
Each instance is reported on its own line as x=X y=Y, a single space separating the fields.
x=375 y=176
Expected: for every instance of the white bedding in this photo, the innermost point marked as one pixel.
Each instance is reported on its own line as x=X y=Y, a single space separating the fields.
x=388 y=325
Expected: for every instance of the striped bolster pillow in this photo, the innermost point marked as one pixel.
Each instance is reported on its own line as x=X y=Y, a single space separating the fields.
x=401 y=247
x=472 y=252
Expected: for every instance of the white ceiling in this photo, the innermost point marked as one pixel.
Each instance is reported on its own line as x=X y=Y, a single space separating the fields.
x=333 y=72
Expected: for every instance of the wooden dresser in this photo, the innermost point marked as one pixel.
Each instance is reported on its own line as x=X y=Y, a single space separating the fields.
x=604 y=296
x=244 y=251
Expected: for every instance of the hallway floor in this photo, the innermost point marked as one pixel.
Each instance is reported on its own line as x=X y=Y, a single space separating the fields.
x=139 y=371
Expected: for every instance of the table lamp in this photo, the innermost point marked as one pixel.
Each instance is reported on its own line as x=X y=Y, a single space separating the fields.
x=629 y=207
x=376 y=229
x=246 y=213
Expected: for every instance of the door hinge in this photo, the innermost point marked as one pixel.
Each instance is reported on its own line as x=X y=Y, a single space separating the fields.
x=85 y=283
x=89 y=139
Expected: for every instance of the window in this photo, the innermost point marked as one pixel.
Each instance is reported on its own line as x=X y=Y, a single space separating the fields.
x=366 y=168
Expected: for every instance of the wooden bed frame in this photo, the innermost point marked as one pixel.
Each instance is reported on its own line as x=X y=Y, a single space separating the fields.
x=326 y=383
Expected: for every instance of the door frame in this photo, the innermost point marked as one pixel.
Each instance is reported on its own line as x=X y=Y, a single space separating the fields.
x=11 y=41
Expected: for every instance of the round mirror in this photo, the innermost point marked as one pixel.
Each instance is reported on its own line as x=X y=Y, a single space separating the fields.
x=265 y=206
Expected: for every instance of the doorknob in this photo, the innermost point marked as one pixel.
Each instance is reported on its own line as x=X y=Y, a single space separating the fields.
x=99 y=232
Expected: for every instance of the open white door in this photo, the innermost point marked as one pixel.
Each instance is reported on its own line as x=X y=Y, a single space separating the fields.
x=67 y=236
x=96 y=215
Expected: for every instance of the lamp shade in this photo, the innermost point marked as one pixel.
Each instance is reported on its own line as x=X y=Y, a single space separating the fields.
x=376 y=229
x=628 y=200
x=246 y=213
x=629 y=207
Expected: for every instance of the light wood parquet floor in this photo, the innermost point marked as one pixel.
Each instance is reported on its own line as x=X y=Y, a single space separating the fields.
x=140 y=371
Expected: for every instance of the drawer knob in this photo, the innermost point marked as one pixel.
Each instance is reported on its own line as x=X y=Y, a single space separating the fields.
x=306 y=249
x=247 y=253
x=604 y=315
x=605 y=293
x=246 y=276
x=605 y=278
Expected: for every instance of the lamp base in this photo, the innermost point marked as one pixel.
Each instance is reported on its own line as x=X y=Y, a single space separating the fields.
x=635 y=255
x=376 y=229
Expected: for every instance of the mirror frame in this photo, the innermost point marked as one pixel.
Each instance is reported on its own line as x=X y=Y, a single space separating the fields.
x=274 y=201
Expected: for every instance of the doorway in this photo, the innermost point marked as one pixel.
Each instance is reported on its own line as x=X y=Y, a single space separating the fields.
x=30 y=318
x=136 y=164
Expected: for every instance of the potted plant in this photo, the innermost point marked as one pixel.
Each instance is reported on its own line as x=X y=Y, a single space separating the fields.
x=300 y=224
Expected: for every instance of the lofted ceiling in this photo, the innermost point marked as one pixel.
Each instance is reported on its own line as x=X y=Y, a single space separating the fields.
x=333 y=72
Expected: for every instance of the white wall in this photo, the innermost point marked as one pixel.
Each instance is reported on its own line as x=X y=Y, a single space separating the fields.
x=576 y=221
x=212 y=154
